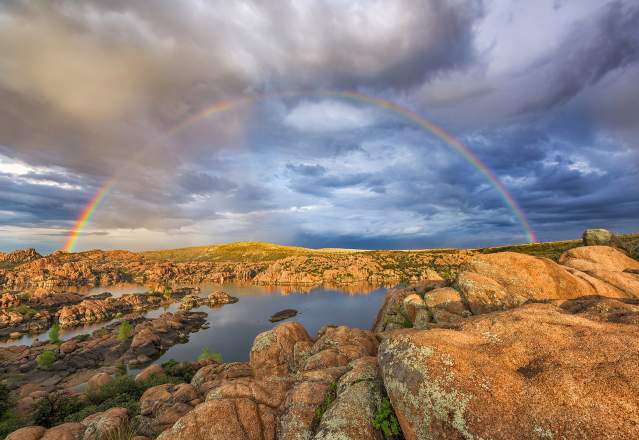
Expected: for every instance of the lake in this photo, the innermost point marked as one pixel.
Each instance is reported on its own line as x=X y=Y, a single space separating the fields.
x=233 y=327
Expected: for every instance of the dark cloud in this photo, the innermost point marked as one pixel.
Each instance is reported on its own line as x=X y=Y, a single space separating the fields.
x=307 y=170
x=203 y=183
x=66 y=234
x=96 y=91
x=594 y=48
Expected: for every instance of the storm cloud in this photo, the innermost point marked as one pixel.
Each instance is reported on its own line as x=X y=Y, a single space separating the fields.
x=97 y=91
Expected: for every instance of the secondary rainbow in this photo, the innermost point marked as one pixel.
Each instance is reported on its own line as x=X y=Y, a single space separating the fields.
x=226 y=105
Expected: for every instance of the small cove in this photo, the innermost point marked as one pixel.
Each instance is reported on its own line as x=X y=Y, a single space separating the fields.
x=232 y=328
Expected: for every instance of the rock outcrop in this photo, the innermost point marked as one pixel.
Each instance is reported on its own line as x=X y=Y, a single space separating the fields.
x=80 y=355
x=605 y=264
x=515 y=346
x=60 y=271
x=97 y=426
x=278 y=393
x=598 y=237
x=215 y=299
x=91 y=310
x=21 y=256
x=507 y=279
x=161 y=406
x=532 y=372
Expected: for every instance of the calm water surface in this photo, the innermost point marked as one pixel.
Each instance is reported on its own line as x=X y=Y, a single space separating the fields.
x=233 y=327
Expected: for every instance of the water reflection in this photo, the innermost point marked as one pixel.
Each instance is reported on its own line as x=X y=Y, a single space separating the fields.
x=233 y=327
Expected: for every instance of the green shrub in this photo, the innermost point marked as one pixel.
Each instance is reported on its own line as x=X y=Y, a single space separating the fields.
x=182 y=371
x=206 y=354
x=83 y=337
x=126 y=432
x=25 y=310
x=123 y=391
x=53 y=409
x=46 y=359
x=122 y=369
x=124 y=331
x=5 y=404
x=54 y=334
x=9 y=422
x=329 y=398
x=386 y=421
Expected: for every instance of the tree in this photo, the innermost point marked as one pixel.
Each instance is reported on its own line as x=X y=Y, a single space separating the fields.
x=54 y=334
x=124 y=331
x=46 y=359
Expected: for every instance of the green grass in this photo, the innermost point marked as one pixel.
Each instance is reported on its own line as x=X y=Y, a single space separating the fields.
x=123 y=391
x=329 y=398
x=551 y=249
x=24 y=310
x=124 y=331
x=207 y=354
x=386 y=421
x=54 y=334
x=46 y=359
x=246 y=251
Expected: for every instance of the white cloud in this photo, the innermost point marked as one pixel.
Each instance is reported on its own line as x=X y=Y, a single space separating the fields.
x=24 y=173
x=584 y=167
x=327 y=116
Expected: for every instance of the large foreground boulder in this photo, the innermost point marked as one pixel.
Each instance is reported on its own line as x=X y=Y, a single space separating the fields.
x=536 y=371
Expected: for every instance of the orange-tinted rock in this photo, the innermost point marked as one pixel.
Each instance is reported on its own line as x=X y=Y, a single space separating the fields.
x=97 y=310
x=507 y=279
x=27 y=433
x=299 y=414
x=359 y=393
x=163 y=405
x=66 y=431
x=68 y=346
x=218 y=297
x=98 y=380
x=105 y=424
x=272 y=353
x=338 y=346
x=212 y=376
x=151 y=370
x=58 y=271
x=606 y=264
x=619 y=310
x=532 y=372
x=446 y=305
x=389 y=316
x=9 y=300
x=225 y=419
x=587 y=258
x=411 y=304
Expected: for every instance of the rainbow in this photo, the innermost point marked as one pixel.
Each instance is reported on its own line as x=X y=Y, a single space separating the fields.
x=226 y=105
x=86 y=215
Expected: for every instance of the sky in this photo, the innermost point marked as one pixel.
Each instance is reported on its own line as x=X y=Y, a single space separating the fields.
x=544 y=94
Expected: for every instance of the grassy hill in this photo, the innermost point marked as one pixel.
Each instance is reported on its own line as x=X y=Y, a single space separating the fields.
x=245 y=251
x=257 y=252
